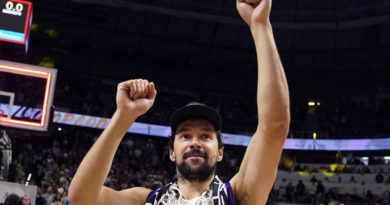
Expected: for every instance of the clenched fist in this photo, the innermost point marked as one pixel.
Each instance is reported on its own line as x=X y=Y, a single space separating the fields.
x=253 y=2
x=135 y=97
x=254 y=11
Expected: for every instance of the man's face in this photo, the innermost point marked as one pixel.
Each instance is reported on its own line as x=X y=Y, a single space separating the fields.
x=195 y=150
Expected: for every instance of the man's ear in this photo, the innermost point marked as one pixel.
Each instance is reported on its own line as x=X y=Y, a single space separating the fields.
x=220 y=154
x=172 y=155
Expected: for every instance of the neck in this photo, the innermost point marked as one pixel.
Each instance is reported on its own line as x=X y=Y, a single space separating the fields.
x=192 y=189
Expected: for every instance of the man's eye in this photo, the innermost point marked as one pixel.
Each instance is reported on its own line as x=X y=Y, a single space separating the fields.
x=206 y=136
x=184 y=136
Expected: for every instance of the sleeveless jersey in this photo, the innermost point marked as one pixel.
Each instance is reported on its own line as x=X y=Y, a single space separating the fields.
x=221 y=194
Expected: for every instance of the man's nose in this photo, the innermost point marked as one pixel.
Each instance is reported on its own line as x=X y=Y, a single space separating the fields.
x=195 y=143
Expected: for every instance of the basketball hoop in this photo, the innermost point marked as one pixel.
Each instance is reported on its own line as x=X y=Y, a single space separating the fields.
x=1 y=113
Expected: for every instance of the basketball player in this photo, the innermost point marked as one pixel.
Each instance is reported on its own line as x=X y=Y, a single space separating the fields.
x=196 y=145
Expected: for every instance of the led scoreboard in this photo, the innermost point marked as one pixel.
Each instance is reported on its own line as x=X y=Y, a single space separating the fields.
x=15 y=21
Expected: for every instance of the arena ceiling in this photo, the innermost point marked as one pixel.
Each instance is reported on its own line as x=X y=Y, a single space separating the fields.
x=190 y=43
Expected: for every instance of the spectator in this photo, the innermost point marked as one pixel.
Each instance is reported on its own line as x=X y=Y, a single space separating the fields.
x=289 y=192
x=313 y=179
x=320 y=188
x=326 y=179
x=13 y=199
x=49 y=195
x=352 y=180
x=379 y=178
x=369 y=196
x=40 y=200
x=300 y=187
x=47 y=180
x=58 y=200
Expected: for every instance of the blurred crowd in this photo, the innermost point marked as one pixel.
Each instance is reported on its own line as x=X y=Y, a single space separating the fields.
x=298 y=194
x=340 y=164
x=139 y=161
x=143 y=160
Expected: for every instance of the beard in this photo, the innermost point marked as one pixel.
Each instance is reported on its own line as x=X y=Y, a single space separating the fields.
x=198 y=174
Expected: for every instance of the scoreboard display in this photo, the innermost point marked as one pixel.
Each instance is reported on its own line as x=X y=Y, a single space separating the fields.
x=15 y=21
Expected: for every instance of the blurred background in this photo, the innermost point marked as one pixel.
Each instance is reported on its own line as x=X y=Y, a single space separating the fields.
x=335 y=55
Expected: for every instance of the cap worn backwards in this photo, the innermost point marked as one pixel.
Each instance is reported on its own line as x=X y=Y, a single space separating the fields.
x=195 y=110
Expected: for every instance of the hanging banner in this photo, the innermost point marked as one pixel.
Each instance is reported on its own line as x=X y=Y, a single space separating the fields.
x=227 y=138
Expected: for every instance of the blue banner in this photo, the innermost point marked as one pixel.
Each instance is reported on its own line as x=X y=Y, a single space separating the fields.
x=10 y=35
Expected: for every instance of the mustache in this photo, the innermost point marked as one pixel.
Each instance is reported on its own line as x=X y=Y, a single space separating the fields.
x=195 y=152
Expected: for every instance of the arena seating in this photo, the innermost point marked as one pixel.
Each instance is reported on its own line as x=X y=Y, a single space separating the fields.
x=53 y=161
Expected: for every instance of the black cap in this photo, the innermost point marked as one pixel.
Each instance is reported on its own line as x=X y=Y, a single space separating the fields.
x=195 y=110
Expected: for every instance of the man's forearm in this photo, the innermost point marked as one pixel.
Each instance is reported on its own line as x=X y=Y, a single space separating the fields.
x=272 y=89
x=93 y=170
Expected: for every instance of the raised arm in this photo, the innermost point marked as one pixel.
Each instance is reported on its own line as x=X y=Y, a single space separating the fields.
x=251 y=185
x=134 y=98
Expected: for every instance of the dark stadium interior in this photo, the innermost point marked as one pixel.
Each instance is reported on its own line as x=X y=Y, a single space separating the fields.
x=333 y=52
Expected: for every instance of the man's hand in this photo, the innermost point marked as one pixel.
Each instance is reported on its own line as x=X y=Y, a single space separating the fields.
x=135 y=96
x=254 y=11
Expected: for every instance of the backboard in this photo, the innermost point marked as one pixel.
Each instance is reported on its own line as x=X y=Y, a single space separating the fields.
x=26 y=95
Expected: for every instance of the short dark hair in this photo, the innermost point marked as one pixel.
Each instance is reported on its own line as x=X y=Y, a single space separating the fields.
x=219 y=138
x=13 y=199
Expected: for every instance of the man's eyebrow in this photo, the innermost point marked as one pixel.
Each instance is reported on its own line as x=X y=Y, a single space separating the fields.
x=183 y=129
x=208 y=129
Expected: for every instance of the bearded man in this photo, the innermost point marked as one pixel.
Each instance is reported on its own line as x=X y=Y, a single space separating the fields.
x=195 y=144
